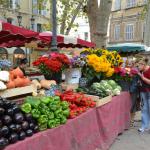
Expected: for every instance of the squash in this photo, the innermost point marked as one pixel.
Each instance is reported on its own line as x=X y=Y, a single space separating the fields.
x=19 y=82
x=18 y=72
x=26 y=81
x=47 y=83
x=2 y=86
x=10 y=84
x=37 y=84
x=4 y=76
x=11 y=76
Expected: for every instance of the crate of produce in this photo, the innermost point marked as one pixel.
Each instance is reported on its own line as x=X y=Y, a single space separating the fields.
x=17 y=91
x=101 y=101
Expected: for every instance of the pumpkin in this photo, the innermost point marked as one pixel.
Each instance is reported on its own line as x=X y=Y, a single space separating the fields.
x=47 y=83
x=19 y=82
x=18 y=72
x=11 y=76
x=26 y=81
x=10 y=84
x=37 y=84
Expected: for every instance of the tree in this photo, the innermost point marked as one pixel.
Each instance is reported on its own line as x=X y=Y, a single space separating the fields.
x=147 y=26
x=98 y=16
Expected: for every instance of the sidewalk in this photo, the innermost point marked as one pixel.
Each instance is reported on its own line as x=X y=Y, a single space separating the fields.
x=132 y=140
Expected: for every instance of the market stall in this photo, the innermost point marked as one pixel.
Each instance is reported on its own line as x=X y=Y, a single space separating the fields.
x=14 y=36
x=97 y=128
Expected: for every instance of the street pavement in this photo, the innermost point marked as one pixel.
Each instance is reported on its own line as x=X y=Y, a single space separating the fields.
x=131 y=139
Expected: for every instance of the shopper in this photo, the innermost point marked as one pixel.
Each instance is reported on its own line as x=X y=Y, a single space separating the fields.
x=23 y=65
x=145 y=93
x=134 y=92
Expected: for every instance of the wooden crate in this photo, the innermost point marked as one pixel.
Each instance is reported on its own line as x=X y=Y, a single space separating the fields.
x=18 y=91
x=101 y=101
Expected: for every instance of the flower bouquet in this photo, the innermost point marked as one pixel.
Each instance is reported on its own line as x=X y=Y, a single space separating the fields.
x=100 y=64
x=52 y=65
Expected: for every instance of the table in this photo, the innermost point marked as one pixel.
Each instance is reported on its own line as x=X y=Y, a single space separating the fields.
x=96 y=128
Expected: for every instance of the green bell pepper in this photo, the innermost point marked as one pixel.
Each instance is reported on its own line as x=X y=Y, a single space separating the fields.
x=64 y=105
x=33 y=101
x=26 y=107
x=54 y=105
x=66 y=112
x=63 y=120
x=57 y=122
x=51 y=115
x=45 y=100
x=51 y=124
x=56 y=98
x=35 y=113
x=58 y=112
x=43 y=119
x=42 y=126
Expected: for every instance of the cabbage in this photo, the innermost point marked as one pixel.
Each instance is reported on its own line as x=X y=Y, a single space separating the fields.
x=116 y=92
x=118 y=87
x=112 y=83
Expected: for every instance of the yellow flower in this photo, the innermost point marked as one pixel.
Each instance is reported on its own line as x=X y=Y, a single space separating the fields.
x=110 y=72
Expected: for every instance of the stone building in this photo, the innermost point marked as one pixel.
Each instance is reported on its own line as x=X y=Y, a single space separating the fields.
x=126 y=23
x=27 y=14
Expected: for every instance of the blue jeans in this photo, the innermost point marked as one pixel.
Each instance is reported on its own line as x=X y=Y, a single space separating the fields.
x=145 y=99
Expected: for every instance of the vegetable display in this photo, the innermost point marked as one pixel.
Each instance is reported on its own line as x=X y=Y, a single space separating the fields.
x=102 y=89
x=14 y=124
x=49 y=112
x=78 y=102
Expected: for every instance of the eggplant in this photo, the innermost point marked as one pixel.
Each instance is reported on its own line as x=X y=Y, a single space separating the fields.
x=7 y=120
x=7 y=104
x=1 y=123
x=36 y=129
x=16 y=109
x=22 y=135
x=12 y=127
x=28 y=117
x=32 y=126
x=18 y=128
x=29 y=132
x=4 y=130
x=13 y=138
x=10 y=111
x=2 y=110
x=1 y=103
x=3 y=143
x=19 y=118
x=25 y=125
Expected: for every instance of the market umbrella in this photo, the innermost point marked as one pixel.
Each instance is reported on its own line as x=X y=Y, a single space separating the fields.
x=127 y=47
x=13 y=36
x=65 y=40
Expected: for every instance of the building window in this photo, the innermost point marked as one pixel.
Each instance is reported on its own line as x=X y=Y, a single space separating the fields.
x=39 y=7
x=85 y=36
x=117 y=4
x=129 y=32
x=144 y=25
x=131 y=3
x=39 y=27
x=117 y=32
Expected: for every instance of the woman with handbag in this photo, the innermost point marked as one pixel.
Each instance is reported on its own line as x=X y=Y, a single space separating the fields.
x=145 y=93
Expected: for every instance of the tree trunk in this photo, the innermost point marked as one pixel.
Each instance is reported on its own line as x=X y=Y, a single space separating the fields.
x=147 y=28
x=98 y=20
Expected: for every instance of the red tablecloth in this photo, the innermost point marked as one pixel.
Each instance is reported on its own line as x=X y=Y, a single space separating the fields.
x=97 y=128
